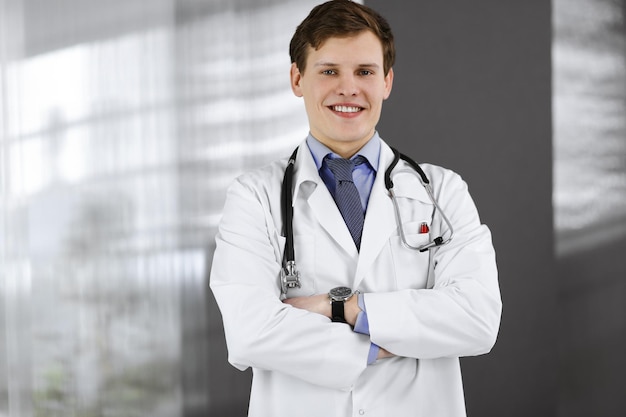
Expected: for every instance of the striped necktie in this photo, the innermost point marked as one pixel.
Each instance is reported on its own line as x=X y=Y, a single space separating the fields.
x=347 y=196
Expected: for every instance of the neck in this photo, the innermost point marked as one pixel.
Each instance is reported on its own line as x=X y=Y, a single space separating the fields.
x=345 y=149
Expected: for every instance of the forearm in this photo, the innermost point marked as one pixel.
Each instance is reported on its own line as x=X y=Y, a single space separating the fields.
x=260 y=330
x=320 y=304
x=434 y=323
x=266 y=334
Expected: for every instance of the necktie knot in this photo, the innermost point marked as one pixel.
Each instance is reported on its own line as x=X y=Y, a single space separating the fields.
x=342 y=168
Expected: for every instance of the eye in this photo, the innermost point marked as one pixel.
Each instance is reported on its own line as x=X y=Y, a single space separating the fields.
x=329 y=72
x=365 y=72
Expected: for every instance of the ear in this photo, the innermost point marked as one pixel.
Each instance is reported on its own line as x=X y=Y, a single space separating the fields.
x=388 y=83
x=296 y=77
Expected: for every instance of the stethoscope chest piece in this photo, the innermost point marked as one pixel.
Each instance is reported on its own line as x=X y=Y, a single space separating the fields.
x=289 y=277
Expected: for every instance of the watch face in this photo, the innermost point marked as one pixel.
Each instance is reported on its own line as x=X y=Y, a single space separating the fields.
x=340 y=293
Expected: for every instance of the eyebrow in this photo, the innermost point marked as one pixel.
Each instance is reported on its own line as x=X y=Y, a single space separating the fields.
x=332 y=64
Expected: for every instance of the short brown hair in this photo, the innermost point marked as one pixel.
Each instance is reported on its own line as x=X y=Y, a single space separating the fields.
x=340 y=18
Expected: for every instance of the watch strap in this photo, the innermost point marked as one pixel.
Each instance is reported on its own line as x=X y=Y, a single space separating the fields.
x=337 y=311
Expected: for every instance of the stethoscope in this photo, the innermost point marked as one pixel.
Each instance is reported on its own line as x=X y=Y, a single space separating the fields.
x=290 y=276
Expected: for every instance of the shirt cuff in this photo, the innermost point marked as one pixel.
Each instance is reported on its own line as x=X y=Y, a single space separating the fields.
x=362 y=325
x=373 y=354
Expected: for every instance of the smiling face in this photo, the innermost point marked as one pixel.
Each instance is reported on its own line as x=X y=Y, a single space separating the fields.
x=343 y=87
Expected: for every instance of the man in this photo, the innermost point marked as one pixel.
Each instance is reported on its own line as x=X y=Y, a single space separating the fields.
x=391 y=348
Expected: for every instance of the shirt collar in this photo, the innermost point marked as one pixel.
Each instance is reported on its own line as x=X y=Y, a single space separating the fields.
x=370 y=151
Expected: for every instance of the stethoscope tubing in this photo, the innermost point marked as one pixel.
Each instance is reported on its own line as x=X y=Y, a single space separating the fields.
x=438 y=241
x=290 y=276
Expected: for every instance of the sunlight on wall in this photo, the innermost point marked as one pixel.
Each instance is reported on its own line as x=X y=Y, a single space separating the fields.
x=589 y=104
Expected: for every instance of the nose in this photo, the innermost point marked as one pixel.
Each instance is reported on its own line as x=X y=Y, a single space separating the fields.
x=347 y=85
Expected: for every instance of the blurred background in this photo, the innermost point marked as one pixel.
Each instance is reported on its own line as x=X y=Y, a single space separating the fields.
x=123 y=122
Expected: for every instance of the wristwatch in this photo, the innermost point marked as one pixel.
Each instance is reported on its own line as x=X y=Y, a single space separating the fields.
x=338 y=297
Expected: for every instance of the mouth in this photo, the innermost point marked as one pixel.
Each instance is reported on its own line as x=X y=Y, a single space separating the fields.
x=346 y=110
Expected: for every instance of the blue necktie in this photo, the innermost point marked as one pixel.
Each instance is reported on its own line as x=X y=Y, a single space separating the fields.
x=347 y=196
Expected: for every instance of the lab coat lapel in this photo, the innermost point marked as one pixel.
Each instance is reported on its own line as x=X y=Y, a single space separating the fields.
x=320 y=200
x=380 y=220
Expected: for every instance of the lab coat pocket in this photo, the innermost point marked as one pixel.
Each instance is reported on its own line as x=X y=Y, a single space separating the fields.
x=411 y=265
x=304 y=250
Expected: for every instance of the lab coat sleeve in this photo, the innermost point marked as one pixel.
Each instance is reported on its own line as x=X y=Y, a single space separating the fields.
x=460 y=314
x=261 y=331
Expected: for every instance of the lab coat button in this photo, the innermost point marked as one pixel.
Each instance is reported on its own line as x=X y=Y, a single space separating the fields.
x=362 y=412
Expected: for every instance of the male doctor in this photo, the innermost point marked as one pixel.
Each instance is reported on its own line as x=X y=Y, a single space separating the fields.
x=375 y=328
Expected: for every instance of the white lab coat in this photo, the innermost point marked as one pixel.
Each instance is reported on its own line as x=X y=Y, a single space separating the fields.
x=306 y=366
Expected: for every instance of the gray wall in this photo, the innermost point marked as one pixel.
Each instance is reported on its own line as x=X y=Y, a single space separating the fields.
x=472 y=92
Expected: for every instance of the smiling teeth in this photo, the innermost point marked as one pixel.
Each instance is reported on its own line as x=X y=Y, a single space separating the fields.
x=346 y=109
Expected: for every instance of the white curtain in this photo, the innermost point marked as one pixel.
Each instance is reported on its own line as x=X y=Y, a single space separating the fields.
x=121 y=124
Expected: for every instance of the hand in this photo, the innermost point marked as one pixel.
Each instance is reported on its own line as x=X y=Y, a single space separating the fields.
x=382 y=354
